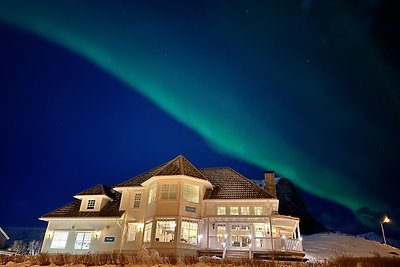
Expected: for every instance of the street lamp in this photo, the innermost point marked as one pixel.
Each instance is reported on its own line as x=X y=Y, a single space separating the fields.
x=385 y=220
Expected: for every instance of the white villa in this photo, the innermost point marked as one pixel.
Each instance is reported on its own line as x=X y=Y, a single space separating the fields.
x=178 y=210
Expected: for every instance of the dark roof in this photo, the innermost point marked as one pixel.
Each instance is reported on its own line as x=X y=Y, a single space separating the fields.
x=229 y=184
x=177 y=166
x=98 y=190
x=71 y=210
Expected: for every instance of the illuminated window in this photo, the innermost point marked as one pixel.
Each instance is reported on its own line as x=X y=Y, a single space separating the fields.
x=90 y=204
x=132 y=229
x=221 y=211
x=221 y=233
x=147 y=232
x=258 y=210
x=165 y=231
x=191 y=193
x=136 y=202
x=234 y=211
x=59 y=239
x=168 y=191
x=152 y=194
x=189 y=232
x=245 y=210
x=259 y=232
x=83 y=240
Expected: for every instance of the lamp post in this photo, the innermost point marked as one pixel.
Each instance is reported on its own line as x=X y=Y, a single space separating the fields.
x=385 y=220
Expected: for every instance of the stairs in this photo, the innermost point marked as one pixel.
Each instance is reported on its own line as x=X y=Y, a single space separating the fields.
x=237 y=254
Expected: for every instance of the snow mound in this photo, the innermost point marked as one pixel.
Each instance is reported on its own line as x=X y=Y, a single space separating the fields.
x=328 y=245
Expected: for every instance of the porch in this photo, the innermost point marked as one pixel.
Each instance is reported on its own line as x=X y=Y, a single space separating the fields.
x=252 y=237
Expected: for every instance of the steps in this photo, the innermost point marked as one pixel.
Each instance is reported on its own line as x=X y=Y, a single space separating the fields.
x=237 y=254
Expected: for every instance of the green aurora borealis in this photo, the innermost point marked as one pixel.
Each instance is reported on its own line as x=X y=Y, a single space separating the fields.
x=253 y=82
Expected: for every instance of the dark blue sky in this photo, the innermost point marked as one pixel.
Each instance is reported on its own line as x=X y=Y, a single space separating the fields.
x=306 y=88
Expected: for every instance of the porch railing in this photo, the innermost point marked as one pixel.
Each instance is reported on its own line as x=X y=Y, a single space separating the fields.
x=260 y=244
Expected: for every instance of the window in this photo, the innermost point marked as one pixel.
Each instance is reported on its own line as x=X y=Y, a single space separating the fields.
x=234 y=211
x=136 y=202
x=221 y=211
x=132 y=229
x=165 y=231
x=147 y=232
x=191 y=193
x=90 y=204
x=245 y=210
x=59 y=239
x=258 y=210
x=168 y=191
x=83 y=240
x=189 y=232
x=152 y=194
x=221 y=233
x=259 y=232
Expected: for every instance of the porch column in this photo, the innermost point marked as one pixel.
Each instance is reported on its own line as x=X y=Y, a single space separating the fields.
x=208 y=233
x=270 y=231
x=298 y=230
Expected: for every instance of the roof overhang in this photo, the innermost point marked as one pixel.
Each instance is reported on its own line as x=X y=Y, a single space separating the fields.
x=46 y=219
x=80 y=197
x=206 y=183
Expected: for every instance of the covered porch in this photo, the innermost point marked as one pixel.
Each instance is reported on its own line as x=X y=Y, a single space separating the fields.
x=250 y=237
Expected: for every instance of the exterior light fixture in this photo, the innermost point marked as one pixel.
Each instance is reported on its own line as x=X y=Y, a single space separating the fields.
x=385 y=220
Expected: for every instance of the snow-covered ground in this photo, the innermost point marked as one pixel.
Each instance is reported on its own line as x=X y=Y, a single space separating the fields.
x=328 y=245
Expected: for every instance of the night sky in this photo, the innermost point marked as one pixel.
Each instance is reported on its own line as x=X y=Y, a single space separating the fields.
x=99 y=91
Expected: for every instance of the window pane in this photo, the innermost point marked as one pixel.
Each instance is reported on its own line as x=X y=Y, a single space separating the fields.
x=257 y=210
x=152 y=194
x=234 y=210
x=59 y=239
x=90 y=204
x=245 y=210
x=221 y=211
x=189 y=232
x=83 y=240
x=165 y=231
x=132 y=229
x=147 y=232
x=136 y=202
x=168 y=191
x=191 y=193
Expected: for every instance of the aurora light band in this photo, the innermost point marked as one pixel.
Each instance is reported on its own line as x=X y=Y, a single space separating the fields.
x=199 y=72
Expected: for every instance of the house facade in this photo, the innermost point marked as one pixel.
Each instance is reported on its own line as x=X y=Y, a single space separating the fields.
x=177 y=209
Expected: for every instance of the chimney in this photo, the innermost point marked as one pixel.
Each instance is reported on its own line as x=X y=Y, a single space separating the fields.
x=270 y=187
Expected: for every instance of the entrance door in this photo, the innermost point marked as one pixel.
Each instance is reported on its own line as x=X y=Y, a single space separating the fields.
x=240 y=235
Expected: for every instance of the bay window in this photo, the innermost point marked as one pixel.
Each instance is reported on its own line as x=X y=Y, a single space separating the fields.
x=189 y=231
x=191 y=193
x=165 y=231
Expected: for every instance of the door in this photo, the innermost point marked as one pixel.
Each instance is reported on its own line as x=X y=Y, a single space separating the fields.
x=240 y=235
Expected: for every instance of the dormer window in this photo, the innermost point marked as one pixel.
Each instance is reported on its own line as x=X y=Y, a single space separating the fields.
x=90 y=204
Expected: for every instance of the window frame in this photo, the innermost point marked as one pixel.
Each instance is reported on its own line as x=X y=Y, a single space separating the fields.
x=219 y=210
x=190 y=195
x=132 y=231
x=231 y=210
x=259 y=212
x=163 y=223
x=152 y=194
x=91 y=204
x=137 y=200
x=169 y=192
x=58 y=241
x=84 y=240
x=189 y=230
x=147 y=231
x=246 y=212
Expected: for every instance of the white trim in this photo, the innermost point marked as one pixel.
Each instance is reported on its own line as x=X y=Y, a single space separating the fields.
x=4 y=233
x=80 y=218
x=92 y=196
